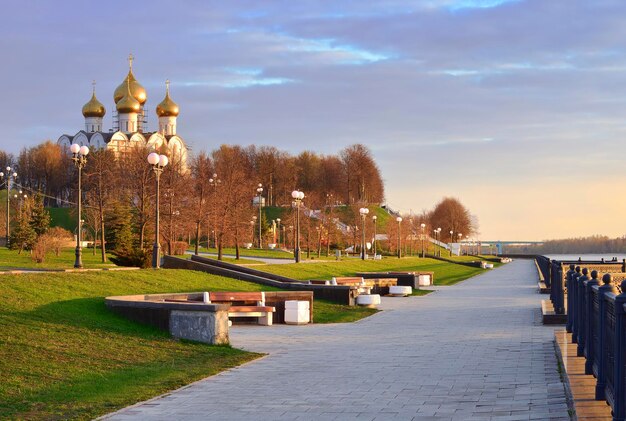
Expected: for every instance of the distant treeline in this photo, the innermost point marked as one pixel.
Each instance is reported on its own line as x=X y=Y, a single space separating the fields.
x=580 y=245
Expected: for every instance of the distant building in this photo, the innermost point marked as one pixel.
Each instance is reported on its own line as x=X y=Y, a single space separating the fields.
x=130 y=122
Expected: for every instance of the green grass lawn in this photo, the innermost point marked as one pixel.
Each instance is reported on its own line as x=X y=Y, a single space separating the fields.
x=10 y=259
x=61 y=217
x=241 y=261
x=64 y=355
x=445 y=273
x=253 y=252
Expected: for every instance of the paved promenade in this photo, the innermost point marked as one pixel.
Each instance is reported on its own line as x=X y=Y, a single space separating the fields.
x=474 y=351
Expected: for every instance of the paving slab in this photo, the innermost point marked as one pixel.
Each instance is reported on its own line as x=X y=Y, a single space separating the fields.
x=474 y=351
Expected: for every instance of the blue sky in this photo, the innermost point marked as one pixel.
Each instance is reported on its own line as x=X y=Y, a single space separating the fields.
x=515 y=107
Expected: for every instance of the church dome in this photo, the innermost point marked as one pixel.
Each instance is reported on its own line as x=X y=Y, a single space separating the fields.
x=128 y=103
x=94 y=108
x=167 y=107
x=137 y=91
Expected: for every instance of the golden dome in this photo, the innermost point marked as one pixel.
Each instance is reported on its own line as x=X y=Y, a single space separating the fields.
x=138 y=92
x=94 y=108
x=167 y=107
x=128 y=103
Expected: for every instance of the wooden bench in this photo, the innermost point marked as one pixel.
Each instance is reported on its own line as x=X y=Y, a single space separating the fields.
x=366 y=286
x=243 y=304
x=349 y=280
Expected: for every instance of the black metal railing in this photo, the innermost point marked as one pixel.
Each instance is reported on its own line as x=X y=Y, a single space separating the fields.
x=596 y=316
x=544 y=264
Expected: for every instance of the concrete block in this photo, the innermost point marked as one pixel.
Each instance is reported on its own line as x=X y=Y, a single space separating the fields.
x=400 y=291
x=424 y=280
x=201 y=326
x=370 y=300
x=296 y=305
x=297 y=316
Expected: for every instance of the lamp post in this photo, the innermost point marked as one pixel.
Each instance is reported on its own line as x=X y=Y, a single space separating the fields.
x=450 y=244
x=9 y=177
x=259 y=191
x=374 y=218
x=399 y=219
x=297 y=200
x=79 y=157
x=460 y=244
x=214 y=182
x=254 y=218
x=439 y=241
x=158 y=162
x=423 y=226
x=279 y=233
x=363 y=212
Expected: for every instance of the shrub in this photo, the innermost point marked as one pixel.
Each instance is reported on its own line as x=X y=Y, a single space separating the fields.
x=134 y=257
x=53 y=240
x=179 y=247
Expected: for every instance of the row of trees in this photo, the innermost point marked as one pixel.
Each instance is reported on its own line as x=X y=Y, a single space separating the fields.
x=580 y=245
x=210 y=194
x=352 y=176
x=209 y=199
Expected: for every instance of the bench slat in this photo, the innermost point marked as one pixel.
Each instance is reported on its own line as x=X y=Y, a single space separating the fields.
x=251 y=309
x=236 y=296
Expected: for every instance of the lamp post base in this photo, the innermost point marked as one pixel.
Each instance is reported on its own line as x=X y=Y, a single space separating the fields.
x=156 y=256
x=78 y=263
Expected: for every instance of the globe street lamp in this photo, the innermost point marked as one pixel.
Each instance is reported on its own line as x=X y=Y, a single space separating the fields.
x=79 y=157
x=439 y=241
x=363 y=212
x=423 y=226
x=259 y=191
x=460 y=244
x=399 y=219
x=279 y=233
x=214 y=182
x=450 y=244
x=297 y=200
x=9 y=177
x=158 y=162
x=374 y=218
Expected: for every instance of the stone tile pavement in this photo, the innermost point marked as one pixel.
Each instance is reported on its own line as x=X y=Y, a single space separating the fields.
x=475 y=351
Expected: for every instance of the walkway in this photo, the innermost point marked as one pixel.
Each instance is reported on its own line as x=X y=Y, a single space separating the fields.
x=474 y=351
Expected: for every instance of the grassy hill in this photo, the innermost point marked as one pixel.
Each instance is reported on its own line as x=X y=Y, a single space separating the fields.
x=62 y=217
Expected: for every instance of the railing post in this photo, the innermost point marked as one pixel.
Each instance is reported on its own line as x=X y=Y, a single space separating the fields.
x=580 y=310
x=601 y=377
x=589 y=343
x=573 y=310
x=570 y=273
x=619 y=404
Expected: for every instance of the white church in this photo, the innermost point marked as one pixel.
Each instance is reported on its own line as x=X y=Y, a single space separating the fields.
x=130 y=122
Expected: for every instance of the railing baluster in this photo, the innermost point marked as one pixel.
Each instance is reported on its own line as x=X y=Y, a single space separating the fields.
x=580 y=309
x=590 y=328
x=601 y=349
x=573 y=310
x=568 y=279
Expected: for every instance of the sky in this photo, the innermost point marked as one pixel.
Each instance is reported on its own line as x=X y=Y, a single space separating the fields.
x=515 y=107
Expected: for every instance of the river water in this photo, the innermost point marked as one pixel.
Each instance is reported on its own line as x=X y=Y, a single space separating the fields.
x=598 y=257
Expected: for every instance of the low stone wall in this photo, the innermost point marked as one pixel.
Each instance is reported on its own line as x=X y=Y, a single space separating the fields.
x=194 y=321
x=338 y=294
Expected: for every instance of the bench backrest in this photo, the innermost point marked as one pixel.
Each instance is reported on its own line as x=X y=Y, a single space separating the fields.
x=348 y=280
x=229 y=296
